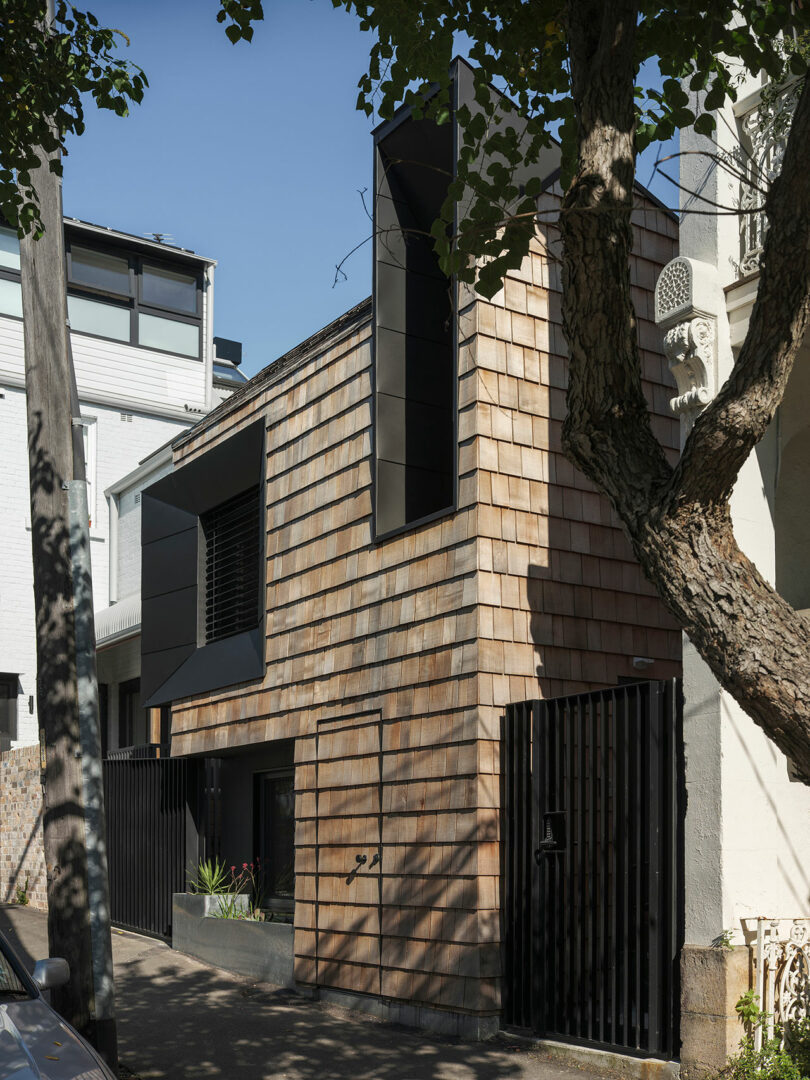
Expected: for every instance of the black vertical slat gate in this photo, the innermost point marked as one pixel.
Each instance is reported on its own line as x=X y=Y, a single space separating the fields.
x=591 y=851
x=152 y=805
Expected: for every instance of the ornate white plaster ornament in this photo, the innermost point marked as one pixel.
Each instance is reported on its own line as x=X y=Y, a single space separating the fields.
x=689 y=348
x=782 y=964
x=688 y=303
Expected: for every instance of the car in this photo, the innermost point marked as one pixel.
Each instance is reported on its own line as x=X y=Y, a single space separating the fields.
x=35 y=1042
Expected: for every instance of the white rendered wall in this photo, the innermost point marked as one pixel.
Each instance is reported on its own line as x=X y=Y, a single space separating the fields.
x=747 y=842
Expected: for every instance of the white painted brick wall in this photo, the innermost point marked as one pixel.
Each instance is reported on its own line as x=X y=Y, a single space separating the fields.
x=120 y=447
x=129 y=534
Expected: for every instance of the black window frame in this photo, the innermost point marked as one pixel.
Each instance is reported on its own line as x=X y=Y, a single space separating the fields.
x=132 y=299
x=129 y=692
x=404 y=116
x=11 y=682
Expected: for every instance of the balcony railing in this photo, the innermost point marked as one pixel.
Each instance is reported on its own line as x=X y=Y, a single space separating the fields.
x=763 y=137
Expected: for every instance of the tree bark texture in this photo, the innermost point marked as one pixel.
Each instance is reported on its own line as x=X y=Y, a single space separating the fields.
x=55 y=459
x=678 y=520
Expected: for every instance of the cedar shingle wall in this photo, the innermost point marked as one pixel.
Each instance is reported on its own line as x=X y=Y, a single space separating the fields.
x=390 y=664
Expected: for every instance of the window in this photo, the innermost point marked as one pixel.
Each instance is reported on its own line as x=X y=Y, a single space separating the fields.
x=415 y=370
x=10 y=298
x=99 y=270
x=120 y=295
x=275 y=837
x=94 y=317
x=9 y=248
x=133 y=721
x=231 y=534
x=161 y=287
x=10 y=292
x=89 y=432
x=8 y=710
x=166 y=334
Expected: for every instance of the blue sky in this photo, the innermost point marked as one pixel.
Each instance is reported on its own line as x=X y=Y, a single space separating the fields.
x=252 y=154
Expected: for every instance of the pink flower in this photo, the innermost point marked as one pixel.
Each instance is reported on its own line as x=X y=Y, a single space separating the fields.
x=233 y=869
x=244 y=866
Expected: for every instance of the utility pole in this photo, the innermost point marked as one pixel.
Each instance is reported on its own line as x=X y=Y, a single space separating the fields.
x=67 y=689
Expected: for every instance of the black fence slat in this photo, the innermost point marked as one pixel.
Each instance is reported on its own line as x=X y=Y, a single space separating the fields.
x=146 y=800
x=592 y=926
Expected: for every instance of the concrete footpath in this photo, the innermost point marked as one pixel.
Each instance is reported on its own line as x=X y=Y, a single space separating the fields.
x=181 y=1020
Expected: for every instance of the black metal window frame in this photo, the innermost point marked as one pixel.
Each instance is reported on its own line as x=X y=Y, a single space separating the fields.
x=403 y=115
x=132 y=299
x=9 y=691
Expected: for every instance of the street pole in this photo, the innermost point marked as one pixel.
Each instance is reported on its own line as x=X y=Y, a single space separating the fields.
x=67 y=689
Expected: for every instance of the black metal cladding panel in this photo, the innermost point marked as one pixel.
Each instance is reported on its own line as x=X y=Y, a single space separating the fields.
x=215 y=476
x=413 y=368
x=405 y=494
x=171 y=508
x=413 y=304
x=401 y=241
x=160 y=519
x=170 y=563
x=169 y=620
x=157 y=667
x=412 y=433
x=234 y=659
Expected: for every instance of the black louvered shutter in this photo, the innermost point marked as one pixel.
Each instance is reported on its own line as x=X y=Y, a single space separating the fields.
x=232 y=563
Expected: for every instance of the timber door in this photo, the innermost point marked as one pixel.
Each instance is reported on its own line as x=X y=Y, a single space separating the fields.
x=591 y=891
x=338 y=855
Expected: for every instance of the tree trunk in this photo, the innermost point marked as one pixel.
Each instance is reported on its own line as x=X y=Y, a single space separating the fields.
x=78 y=905
x=678 y=520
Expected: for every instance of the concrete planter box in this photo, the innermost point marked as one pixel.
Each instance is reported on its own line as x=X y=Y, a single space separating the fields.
x=260 y=950
x=203 y=904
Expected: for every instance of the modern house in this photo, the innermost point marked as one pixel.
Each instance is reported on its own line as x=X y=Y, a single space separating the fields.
x=359 y=561
x=147 y=367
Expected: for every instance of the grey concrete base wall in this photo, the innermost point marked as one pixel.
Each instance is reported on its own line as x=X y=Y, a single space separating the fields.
x=260 y=950
x=712 y=981
x=439 y=1021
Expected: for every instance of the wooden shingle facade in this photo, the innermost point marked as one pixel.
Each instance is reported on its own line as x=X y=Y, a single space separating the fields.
x=387 y=664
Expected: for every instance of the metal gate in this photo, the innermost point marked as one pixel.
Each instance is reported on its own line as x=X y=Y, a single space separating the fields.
x=152 y=808
x=591 y=857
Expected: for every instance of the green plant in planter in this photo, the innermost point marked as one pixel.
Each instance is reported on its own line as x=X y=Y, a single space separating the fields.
x=212 y=877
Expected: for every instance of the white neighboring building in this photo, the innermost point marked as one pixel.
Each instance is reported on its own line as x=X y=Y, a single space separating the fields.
x=141 y=317
x=747 y=826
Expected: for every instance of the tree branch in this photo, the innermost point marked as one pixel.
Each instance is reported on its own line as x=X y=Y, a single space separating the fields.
x=737 y=419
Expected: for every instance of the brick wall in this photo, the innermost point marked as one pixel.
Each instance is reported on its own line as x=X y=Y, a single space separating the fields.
x=21 y=852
